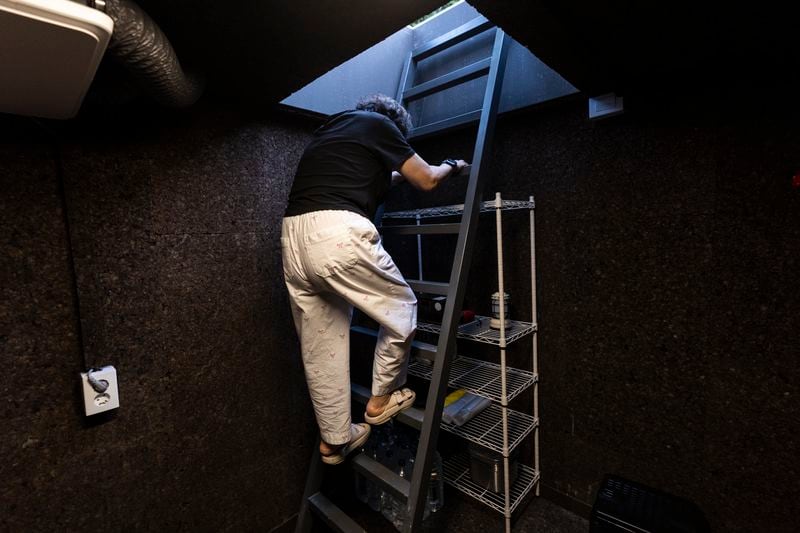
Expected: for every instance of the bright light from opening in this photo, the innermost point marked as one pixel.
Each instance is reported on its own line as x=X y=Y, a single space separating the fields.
x=434 y=13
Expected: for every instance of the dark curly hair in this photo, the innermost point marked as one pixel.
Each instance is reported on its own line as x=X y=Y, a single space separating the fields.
x=389 y=107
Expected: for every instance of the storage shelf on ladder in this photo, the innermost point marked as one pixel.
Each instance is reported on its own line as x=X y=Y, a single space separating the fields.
x=482 y=378
x=498 y=428
x=486 y=428
x=457 y=475
x=456 y=210
x=414 y=493
x=479 y=377
x=480 y=330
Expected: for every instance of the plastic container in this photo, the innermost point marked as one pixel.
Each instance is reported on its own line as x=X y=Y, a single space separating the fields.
x=430 y=307
x=464 y=408
x=494 y=323
x=625 y=505
x=486 y=468
x=474 y=406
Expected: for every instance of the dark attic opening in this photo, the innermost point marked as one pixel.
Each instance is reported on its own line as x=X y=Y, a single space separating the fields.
x=398 y=266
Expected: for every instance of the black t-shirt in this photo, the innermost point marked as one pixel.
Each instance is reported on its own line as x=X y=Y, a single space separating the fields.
x=348 y=165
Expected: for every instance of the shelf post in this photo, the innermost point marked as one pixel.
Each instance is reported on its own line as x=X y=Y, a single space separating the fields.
x=419 y=249
x=503 y=393
x=535 y=355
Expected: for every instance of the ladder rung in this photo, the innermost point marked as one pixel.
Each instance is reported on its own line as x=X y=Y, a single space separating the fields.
x=375 y=471
x=418 y=348
x=422 y=229
x=334 y=517
x=451 y=79
x=431 y=287
x=450 y=123
x=411 y=417
x=452 y=38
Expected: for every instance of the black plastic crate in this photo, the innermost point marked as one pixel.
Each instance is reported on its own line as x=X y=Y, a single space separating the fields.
x=624 y=505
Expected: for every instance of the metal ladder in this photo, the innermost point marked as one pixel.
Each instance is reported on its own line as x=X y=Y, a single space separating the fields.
x=427 y=421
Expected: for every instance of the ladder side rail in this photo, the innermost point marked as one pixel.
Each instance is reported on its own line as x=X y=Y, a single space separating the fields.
x=406 y=78
x=334 y=518
x=313 y=483
x=458 y=277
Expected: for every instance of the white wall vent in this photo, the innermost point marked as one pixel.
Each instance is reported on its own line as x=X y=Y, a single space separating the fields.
x=49 y=53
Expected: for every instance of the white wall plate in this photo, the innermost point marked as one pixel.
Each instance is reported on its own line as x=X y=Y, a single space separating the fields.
x=95 y=402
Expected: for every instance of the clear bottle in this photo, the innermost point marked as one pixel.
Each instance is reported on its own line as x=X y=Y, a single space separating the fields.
x=374 y=492
x=386 y=444
x=363 y=486
x=393 y=509
x=435 y=485
x=405 y=454
x=386 y=504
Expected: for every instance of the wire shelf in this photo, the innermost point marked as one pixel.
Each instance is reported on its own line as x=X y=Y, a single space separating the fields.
x=478 y=377
x=458 y=209
x=456 y=473
x=486 y=428
x=480 y=330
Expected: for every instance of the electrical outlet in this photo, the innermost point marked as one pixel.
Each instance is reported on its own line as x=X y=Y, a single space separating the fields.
x=95 y=402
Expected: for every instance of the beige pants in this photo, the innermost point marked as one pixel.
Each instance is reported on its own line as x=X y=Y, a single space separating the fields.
x=332 y=261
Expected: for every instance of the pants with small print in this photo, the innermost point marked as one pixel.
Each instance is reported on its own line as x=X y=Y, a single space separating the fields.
x=332 y=261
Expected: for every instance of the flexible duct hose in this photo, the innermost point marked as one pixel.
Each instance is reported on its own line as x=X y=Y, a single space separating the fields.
x=146 y=53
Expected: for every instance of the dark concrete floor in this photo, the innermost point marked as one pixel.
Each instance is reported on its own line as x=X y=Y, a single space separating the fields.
x=462 y=514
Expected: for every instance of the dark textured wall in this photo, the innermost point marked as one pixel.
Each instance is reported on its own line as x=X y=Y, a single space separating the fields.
x=667 y=252
x=667 y=256
x=174 y=226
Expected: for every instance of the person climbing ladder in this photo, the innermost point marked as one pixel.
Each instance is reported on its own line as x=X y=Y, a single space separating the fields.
x=333 y=260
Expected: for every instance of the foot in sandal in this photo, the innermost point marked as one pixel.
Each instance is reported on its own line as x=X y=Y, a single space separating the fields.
x=381 y=409
x=335 y=454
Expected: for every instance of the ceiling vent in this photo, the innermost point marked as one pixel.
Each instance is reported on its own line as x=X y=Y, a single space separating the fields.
x=49 y=53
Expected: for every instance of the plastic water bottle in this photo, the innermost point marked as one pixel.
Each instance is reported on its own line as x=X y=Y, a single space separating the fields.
x=376 y=494
x=386 y=503
x=436 y=485
x=397 y=451
x=393 y=509
x=386 y=444
x=405 y=455
x=363 y=486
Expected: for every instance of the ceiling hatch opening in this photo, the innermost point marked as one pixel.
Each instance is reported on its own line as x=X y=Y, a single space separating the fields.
x=379 y=69
x=435 y=12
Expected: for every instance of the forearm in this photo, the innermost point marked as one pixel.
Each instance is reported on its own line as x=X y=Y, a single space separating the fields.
x=424 y=176
x=434 y=176
x=442 y=172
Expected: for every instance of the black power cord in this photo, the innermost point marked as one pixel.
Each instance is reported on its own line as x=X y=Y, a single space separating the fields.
x=76 y=299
